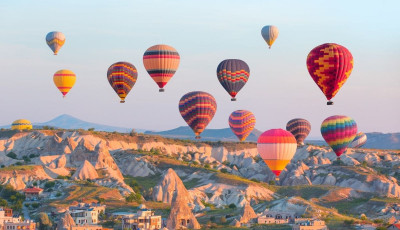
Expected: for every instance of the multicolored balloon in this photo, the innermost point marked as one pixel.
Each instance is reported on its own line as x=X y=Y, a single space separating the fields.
x=339 y=131
x=359 y=140
x=330 y=65
x=300 y=128
x=197 y=109
x=233 y=75
x=122 y=77
x=242 y=122
x=277 y=148
x=270 y=34
x=55 y=40
x=161 y=62
x=21 y=124
x=64 y=80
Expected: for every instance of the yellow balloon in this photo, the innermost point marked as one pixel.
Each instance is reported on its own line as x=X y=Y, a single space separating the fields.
x=21 y=124
x=64 y=80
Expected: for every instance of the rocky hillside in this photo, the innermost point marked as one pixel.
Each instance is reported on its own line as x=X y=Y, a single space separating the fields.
x=208 y=174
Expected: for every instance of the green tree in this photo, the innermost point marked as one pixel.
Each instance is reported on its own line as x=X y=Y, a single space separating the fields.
x=232 y=206
x=3 y=203
x=207 y=166
x=44 y=221
x=271 y=182
x=224 y=170
x=90 y=129
x=134 y=197
x=12 y=155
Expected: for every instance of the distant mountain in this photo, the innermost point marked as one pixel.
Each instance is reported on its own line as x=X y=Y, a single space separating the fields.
x=375 y=140
x=66 y=121
x=184 y=132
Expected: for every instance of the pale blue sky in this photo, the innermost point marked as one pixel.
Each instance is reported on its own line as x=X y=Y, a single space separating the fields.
x=101 y=32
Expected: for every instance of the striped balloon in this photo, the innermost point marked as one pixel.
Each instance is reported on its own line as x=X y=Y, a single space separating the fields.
x=197 y=109
x=338 y=131
x=242 y=122
x=55 y=40
x=122 y=77
x=359 y=140
x=64 y=80
x=161 y=62
x=330 y=65
x=300 y=128
x=277 y=148
x=21 y=124
x=270 y=34
x=233 y=75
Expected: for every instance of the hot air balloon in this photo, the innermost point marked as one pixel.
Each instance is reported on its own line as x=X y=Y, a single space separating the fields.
x=359 y=140
x=233 y=75
x=55 y=40
x=197 y=109
x=242 y=122
x=270 y=34
x=276 y=147
x=330 y=65
x=21 y=124
x=122 y=77
x=64 y=80
x=338 y=131
x=161 y=62
x=300 y=128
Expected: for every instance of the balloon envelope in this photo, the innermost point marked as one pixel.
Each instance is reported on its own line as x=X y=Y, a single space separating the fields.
x=161 y=62
x=64 y=80
x=338 y=131
x=330 y=65
x=276 y=147
x=233 y=75
x=122 y=77
x=21 y=124
x=197 y=109
x=242 y=122
x=359 y=140
x=55 y=40
x=270 y=34
x=300 y=128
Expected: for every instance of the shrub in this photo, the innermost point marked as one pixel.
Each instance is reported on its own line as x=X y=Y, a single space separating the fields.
x=255 y=180
x=224 y=170
x=49 y=184
x=134 y=197
x=90 y=129
x=12 y=155
x=271 y=182
x=35 y=205
x=207 y=166
x=232 y=206
x=58 y=194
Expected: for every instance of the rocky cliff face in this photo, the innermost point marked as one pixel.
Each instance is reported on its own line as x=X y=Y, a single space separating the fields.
x=316 y=165
x=181 y=216
x=168 y=187
x=22 y=176
x=85 y=172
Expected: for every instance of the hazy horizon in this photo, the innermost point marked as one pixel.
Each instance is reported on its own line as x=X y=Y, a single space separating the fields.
x=100 y=33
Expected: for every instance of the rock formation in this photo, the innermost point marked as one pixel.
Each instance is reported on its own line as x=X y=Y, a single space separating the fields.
x=181 y=215
x=170 y=185
x=86 y=171
x=248 y=214
x=65 y=222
